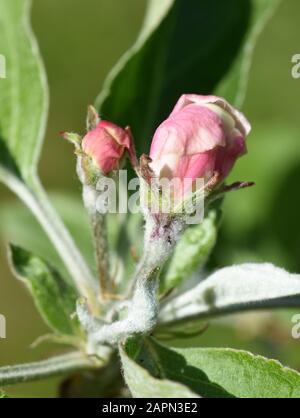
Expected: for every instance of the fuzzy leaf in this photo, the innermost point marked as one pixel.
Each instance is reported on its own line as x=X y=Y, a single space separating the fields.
x=143 y=385
x=232 y=289
x=54 y=298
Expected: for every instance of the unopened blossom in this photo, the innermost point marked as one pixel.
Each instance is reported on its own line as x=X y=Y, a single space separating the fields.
x=107 y=144
x=201 y=138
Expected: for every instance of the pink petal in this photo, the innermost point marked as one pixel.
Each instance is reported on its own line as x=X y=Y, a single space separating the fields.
x=242 y=123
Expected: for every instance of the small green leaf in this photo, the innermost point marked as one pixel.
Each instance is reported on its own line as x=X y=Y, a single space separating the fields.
x=129 y=246
x=243 y=374
x=191 y=253
x=182 y=331
x=54 y=298
x=143 y=385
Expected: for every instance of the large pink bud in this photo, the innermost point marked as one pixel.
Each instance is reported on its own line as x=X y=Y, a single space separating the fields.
x=107 y=144
x=202 y=138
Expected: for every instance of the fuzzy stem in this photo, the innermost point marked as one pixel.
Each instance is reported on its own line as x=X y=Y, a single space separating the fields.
x=98 y=225
x=161 y=234
x=99 y=229
x=42 y=369
x=141 y=316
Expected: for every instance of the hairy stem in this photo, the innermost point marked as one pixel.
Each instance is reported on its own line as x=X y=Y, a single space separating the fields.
x=140 y=319
x=161 y=234
x=98 y=224
x=99 y=229
x=42 y=369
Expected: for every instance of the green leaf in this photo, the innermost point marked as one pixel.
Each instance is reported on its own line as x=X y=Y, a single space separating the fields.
x=243 y=374
x=27 y=372
x=143 y=385
x=233 y=289
x=23 y=93
x=183 y=331
x=3 y=394
x=220 y=372
x=191 y=253
x=54 y=298
x=163 y=363
x=184 y=47
x=23 y=112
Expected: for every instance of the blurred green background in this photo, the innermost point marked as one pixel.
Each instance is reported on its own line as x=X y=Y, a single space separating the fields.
x=80 y=41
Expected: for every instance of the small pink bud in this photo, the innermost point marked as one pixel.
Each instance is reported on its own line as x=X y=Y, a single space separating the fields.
x=201 y=138
x=107 y=144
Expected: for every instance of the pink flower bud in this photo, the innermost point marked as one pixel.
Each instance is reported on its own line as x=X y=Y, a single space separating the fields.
x=202 y=137
x=107 y=144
